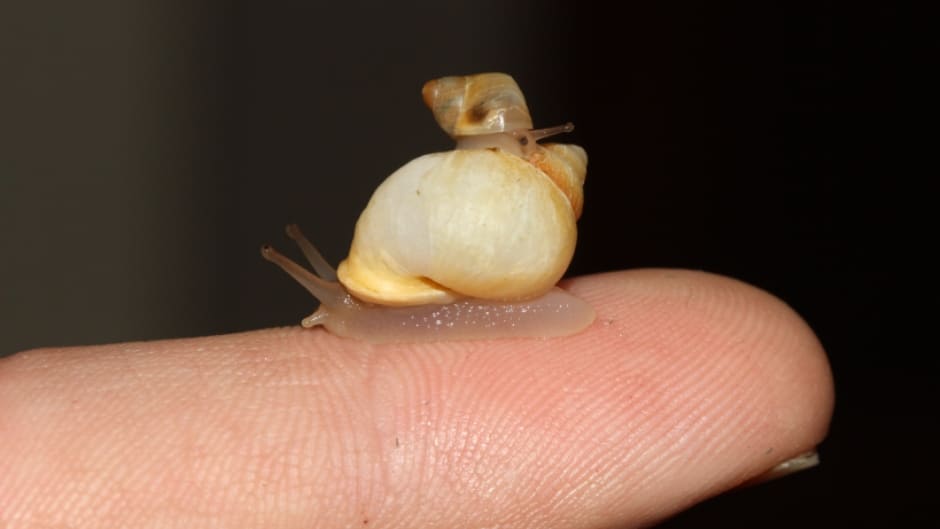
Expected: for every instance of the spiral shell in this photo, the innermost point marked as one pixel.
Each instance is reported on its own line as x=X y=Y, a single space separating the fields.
x=481 y=222
x=470 y=105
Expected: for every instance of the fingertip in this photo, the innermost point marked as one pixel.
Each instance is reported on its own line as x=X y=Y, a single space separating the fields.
x=803 y=380
x=759 y=373
x=793 y=359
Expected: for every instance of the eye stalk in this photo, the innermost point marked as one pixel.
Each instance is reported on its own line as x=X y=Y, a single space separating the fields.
x=519 y=142
x=528 y=138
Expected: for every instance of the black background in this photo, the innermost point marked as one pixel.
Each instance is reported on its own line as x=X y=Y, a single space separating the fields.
x=148 y=148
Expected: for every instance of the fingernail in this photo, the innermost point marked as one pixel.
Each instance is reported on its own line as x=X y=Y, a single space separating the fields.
x=790 y=466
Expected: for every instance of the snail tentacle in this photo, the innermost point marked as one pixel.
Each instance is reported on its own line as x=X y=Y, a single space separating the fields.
x=314 y=257
x=328 y=292
x=520 y=142
x=541 y=134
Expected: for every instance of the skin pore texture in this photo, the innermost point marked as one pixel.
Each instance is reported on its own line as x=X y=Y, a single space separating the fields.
x=686 y=385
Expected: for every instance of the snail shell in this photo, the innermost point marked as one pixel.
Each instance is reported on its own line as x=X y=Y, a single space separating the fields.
x=486 y=229
x=471 y=105
x=474 y=222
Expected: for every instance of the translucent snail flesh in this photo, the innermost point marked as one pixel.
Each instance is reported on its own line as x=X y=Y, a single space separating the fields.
x=463 y=244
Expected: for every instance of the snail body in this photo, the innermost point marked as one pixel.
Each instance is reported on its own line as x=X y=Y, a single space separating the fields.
x=463 y=244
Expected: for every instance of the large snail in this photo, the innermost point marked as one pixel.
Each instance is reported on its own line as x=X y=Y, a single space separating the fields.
x=461 y=244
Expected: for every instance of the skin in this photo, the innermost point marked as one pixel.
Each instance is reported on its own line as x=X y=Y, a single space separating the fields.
x=688 y=384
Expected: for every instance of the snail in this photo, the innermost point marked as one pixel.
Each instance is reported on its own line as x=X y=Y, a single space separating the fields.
x=463 y=244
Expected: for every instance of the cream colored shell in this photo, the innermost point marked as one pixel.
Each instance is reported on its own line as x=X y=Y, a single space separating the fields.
x=465 y=223
x=495 y=221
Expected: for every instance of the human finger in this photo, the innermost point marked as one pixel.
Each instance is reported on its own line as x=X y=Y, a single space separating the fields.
x=686 y=385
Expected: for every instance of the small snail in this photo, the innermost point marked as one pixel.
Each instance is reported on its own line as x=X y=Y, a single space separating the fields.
x=462 y=244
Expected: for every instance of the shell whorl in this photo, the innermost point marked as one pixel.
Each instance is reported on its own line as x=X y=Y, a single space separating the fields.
x=471 y=105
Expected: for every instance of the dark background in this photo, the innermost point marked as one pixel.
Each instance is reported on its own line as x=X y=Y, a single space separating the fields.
x=147 y=149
